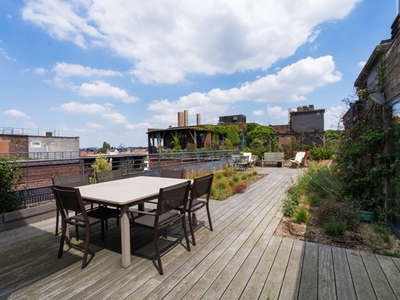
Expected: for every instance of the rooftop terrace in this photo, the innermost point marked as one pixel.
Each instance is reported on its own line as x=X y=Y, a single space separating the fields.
x=240 y=259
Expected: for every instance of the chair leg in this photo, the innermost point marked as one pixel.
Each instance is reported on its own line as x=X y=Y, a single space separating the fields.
x=209 y=217
x=62 y=239
x=57 y=220
x=186 y=234
x=86 y=249
x=191 y=228
x=155 y=237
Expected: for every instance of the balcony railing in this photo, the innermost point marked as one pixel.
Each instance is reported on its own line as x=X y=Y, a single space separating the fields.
x=35 y=186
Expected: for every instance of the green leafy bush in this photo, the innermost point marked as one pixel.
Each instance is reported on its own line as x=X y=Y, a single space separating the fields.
x=334 y=228
x=301 y=215
x=10 y=177
x=338 y=212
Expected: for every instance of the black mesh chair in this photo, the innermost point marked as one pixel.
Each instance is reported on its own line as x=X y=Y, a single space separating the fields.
x=109 y=175
x=165 y=215
x=70 y=181
x=69 y=199
x=201 y=187
x=172 y=173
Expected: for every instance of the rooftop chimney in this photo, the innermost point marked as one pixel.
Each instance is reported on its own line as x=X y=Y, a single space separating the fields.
x=185 y=118
x=198 y=119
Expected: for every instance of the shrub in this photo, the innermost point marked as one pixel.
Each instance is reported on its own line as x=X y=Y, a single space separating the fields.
x=239 y=188
x=289 y=207
x=334 y=228
x=101 y=164
x=301 y=215
x=10 y=177
x=339 y=212
x=235 y=178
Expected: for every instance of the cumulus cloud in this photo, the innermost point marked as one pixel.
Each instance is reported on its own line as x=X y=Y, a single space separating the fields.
x=16 y=113
x=93 y=125
x=167 y=41
x=64 y=70
x=333 y=117
x=75 y=107
x=259 y=112
x=39 y=71
x=276 y=112
x=290 y=84
x=115 y=118
x=103 y=89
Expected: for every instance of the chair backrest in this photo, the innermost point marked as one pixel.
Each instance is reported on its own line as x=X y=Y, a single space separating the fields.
x=68 y=198
x=173 y=197
x=249 y=156
x=104 y=176
x=299 y=156
x=72 y=180
x=202 y=186
x=172 y=173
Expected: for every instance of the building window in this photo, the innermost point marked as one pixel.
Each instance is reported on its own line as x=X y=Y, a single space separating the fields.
x=36 y=144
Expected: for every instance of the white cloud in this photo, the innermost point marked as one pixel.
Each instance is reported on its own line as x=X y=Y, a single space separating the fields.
x=165 y=41
x=259 y=112
x=39 y=71
x=333 y=117
x=361 y=64
x=74 y=107
x=64 y=70
x=16 y=113
x=276 y=112
x=103 y=89
x=92 y=125
x=115 y=118
x=290 y=84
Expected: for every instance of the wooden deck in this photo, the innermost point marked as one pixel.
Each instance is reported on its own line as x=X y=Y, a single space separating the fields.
x=240 y=259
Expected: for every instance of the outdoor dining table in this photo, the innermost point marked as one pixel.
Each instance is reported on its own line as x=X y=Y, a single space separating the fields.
x=124 y=193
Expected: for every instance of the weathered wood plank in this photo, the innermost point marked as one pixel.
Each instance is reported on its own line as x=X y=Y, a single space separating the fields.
x=309 y=275
x=291 y=281
x=326 y=277
x=391 y=272
x=378 y=279
x=344 y=288
x=272 y=286
x=257 y=280
x=361 y=281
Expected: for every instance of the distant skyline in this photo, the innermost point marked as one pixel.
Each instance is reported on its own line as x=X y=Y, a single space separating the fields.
x=106 y=71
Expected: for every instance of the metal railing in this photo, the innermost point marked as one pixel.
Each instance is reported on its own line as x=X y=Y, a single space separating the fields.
x=35 y=187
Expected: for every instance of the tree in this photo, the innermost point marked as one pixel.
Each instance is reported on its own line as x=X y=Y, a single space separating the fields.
x=100 y=164
x=105 y=148
x=261 y=139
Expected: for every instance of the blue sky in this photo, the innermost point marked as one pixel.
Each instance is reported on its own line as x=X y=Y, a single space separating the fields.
x=109 y=70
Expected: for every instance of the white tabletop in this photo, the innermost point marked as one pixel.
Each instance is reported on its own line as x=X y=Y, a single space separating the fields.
x=127 y=191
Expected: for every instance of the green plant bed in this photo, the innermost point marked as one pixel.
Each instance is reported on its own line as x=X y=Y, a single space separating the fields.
x=366 y=216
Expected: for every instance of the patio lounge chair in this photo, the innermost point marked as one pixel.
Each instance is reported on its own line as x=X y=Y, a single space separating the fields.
x=165 y=215
x=298 y=160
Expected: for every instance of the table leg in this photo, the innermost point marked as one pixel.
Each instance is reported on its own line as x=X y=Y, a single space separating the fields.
x=125 y=237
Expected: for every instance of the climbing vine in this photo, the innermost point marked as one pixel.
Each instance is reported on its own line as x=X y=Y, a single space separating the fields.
x=363 y=161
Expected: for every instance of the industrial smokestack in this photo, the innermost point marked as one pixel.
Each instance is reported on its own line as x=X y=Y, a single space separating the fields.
x=198 y=119
x=180 y=119
x=185 y=118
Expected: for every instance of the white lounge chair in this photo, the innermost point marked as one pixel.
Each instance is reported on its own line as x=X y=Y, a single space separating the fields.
x=298 y=160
